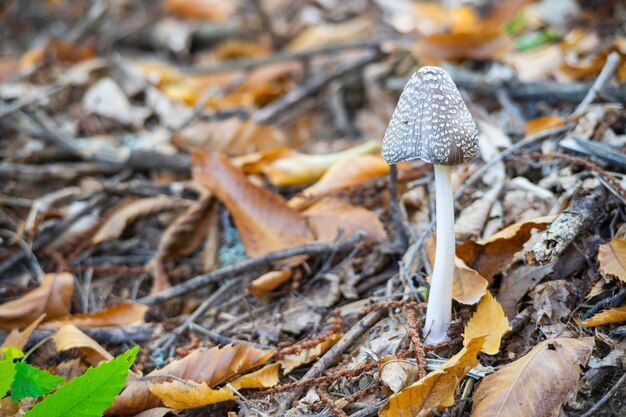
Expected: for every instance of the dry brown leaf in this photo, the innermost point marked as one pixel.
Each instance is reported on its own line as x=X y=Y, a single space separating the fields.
x=118 y=315
x=398 y=374
x=117 y=223
x=233 y=136
x=612 y=259
x=184 y=235
x=431 y=18
x=52 y=298
x=349 y=172
x=156 y=412
x=435 y=391
x=468 y=286
x=536 y=64
x=213 y=367
x=485 y=44
x=488 y=320
x=543 y=123
x=330 y=215
x=211 y=10
x=19 y=339
x=239 y=49
x=254 y=163
x=489 y=256
x=612 y=315
x=268 y=282
x=319 y=35
x=517 y=282
x=291 y=362
x=265 y=377
x=70 y=337
x=537 y=384
x=264 y=220
x=300 y=169
x=183 y=395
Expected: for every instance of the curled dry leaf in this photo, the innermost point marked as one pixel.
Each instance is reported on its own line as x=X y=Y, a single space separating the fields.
x=52 y=298
x=70 y=337
x=489 y=256
x=486 y=44
x=263 y=218
x=117 y=223
x=612 y=315
x=184 y=235
x=435 y=391
x=612 y=258
x=211 y=10
x=156 y=412
x=543 y=123
x=346 y=173
x=319 y=35
x=291 y=362
x=19 y=339
x=537 y=384
x=330 y=216
x=213 y=367
x=119 y=315
x=268 y=282
x=488 y=320
x=397 y=374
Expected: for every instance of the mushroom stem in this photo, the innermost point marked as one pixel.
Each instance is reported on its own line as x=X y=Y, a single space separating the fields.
x=438 y=313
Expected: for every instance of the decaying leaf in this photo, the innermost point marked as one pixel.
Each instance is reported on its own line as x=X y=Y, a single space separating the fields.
x=213 y=367
x=488 y=320
x=290 y=362
x=119 y=315
x=330 y=215
x=211 y=10
x=490 y=43
x=612 y=258
x=537 y=384
x=187 y=232
x=263 y=218
x=397 y=374
x=269 y=281
x=612 y=315
x=319 y=35
x=435 y=391
x=489 y=256
x=517 y=282
x=349 y=172
x=117 y=223
x=543 y=123
x=188 y=394
x=70 y=337
x=19 y=339
x=52 y=298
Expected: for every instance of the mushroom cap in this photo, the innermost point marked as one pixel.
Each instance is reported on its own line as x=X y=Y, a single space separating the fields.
x=431 y=122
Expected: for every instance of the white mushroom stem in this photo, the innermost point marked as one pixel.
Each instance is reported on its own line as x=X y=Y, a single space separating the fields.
x=439 y=311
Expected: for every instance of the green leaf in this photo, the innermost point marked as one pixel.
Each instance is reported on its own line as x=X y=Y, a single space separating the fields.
x=7 y=368
x=91 y=393
x=32 y=382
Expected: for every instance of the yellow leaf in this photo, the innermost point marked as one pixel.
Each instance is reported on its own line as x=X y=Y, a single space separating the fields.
x=268 y=282
x=612 y=259
x=265 y=377
x=183 y=395
x=290 y=362
x=397 y=374
x=488 y=320
x=70 y=337
x=613 y=315
x=543 y=123
x=435 y=391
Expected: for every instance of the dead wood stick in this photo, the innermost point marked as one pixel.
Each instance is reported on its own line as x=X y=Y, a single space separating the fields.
x=592 y=411
x=583 y=211
x=315 y=248
x=332 y=355
x=607 y=71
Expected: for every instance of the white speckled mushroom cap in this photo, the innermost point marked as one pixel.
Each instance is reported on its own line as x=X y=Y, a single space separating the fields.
x=431 y=122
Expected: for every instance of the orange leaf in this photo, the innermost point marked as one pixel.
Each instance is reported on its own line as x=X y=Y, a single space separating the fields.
x=214 y=366
x=19 y=339
x=70 y=337
x=330 y=215
x=211 y=10
x=268 y=282
x=543 y=123
x=488 y=320
x=612 y=259
x=52 y=298
x=612 y=315
x=486 y=44
x=119 y=315
x=263 y=218
x=290 y=362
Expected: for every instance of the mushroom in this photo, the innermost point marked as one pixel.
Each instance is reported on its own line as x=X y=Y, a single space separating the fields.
x=432 y=123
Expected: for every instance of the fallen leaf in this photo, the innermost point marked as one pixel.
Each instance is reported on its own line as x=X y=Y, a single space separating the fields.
x=543 y=123
x=265 y=377
x=517 y=282
x=239 y=49
x=530 y=386
x=488 y=320
x=330 y=215
x=156 y=412
x=118 y=315
x=346 y=173
x=536 y=64
x=183 y=395
x=19 y=339
x=70 y=337
x=435 y=391
x=52 y=298
x=612 y=259
x=397 y=374
x=291 y=362
x=612 y=315
x=264 y=220
x=489 y=256
x=431 y=18
x=486 y=44
x=212 y=367
x=130 y=213
x=269 y=281
x=210 y=10
x=184 y=235
x=319 y=35
x=254 y=163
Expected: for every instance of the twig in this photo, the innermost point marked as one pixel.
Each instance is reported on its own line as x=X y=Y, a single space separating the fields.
x=592 y=411
x=315 y=248
x=607 y=71
x=612 y=301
